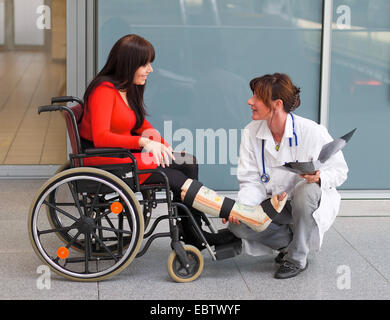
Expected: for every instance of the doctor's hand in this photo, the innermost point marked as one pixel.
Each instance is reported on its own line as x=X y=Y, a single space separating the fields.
x=231 y=220
x=236 y=221
x=312 y=178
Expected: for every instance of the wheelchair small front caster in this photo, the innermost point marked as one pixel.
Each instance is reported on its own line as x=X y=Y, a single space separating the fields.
x=185 y=273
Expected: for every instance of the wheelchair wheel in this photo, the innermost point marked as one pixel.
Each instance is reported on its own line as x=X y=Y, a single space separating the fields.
x=97 y=227
x=180 y=273
x=55 y=218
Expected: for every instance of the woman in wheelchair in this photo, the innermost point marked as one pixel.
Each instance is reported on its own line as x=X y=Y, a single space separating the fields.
x=114 y=116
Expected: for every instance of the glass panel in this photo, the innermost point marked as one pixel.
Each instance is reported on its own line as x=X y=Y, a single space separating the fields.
x=25 y=30
x=360 y=86
x=2 y=22
x=207 y=51
x=32 y=70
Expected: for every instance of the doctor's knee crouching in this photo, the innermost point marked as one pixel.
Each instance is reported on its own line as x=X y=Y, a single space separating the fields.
x=291 y=231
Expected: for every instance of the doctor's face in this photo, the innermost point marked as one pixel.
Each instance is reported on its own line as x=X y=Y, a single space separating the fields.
x=259 y=110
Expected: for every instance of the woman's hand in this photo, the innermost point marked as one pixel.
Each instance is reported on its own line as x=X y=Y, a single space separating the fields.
x=312 y=178
x=162 y=154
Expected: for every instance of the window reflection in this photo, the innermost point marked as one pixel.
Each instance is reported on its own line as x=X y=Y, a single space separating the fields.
x=360 y=88
x=207 y=51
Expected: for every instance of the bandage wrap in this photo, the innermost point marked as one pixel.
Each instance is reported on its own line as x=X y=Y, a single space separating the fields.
x=191 y=193
x=227 y=206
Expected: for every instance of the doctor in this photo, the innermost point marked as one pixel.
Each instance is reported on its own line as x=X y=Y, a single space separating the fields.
x=276 y=136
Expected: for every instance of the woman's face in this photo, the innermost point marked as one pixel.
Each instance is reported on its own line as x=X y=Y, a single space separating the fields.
x=142 y=73
x=259 y=110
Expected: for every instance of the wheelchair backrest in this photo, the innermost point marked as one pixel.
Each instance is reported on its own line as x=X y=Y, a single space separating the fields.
x=73 y=117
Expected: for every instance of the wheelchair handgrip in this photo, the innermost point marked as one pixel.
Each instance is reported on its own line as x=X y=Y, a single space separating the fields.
x=65 y=99
x=49 y=108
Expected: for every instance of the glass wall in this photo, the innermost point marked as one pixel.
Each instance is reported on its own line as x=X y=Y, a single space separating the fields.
x=360 y=89
x=207 y=51
x=32 y=70
x=2 y=22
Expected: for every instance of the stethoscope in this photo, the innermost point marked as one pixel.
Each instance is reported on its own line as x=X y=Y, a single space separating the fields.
x=265 y=176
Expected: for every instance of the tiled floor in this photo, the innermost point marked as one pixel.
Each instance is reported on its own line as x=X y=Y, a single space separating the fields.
x=28 y=80
x=354 y=263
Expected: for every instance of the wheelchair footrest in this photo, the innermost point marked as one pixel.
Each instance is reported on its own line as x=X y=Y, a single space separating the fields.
x=228 y=250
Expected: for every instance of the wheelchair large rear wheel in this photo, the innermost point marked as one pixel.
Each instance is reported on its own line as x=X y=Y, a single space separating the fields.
x=55 y=218
x=100 y=223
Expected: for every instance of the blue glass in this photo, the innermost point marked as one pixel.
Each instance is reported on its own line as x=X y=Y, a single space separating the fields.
x=207 y=51
x=360 y=89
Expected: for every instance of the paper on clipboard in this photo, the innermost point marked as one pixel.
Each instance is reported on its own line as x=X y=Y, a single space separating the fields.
x=327 y=151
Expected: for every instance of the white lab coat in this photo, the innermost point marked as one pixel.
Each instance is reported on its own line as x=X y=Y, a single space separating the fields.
x=311 y=137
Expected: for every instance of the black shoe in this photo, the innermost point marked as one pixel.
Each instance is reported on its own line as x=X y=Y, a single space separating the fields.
x=189 y=236
x=280 y=257
x=289 y=270
x=223 y=236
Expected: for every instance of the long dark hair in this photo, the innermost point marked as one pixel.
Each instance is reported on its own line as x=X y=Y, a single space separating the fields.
x=126 y=56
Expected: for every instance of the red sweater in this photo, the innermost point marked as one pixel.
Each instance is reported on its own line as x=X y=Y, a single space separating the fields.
x=108 y=123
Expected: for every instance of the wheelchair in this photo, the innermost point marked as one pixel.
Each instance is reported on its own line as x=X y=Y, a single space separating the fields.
x=86 y=223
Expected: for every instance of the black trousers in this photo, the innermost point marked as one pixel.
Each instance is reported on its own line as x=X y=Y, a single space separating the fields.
x=178 y=172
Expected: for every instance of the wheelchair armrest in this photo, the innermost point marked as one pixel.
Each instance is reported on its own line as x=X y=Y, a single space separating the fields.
x=117 y=152
x=111 y=152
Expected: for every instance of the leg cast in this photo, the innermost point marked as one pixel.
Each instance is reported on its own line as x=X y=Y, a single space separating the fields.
x=208 y=201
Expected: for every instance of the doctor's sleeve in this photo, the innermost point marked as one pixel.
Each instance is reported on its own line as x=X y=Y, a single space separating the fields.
x=252 y=192
x=335 y=171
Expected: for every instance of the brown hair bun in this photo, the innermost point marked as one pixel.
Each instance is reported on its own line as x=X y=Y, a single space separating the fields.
x=275 y=86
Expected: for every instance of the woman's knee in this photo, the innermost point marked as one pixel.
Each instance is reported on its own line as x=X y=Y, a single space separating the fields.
x=185 y=158
x=192 y=159
x=186 y=163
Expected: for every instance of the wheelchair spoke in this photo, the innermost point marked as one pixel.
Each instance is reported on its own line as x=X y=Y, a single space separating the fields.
x=84 y=203
x=69 y=244
x=109 y=222
x=60 y=210
x=102 y=215
x=111 y=225
x=114 y=230
x=87 y=251
x=75 y=198
x=95 y=199
x=64 y=204
x=56 y=230
x=73 y=240
x=104 y=246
